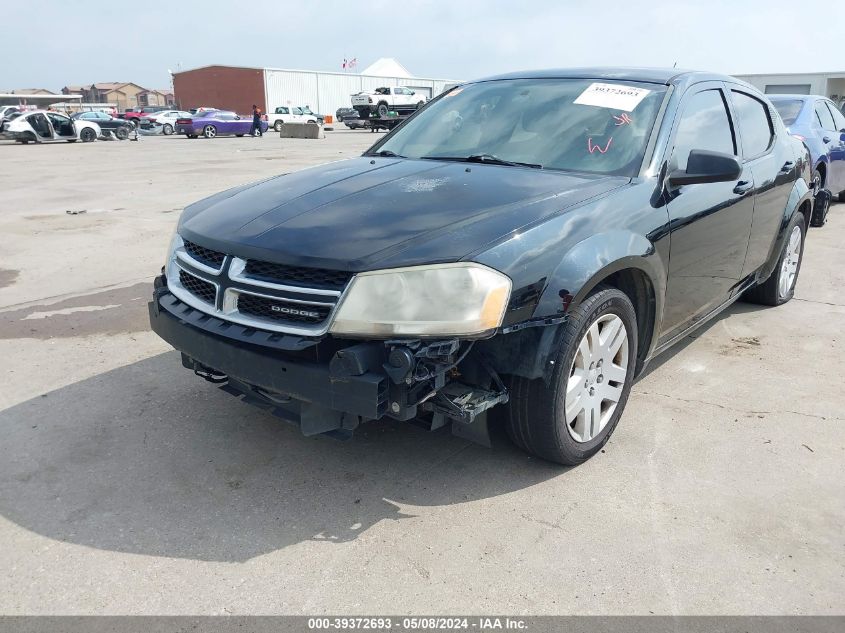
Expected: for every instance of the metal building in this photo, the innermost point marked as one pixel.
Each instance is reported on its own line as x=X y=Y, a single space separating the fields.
x=235 y=88
x=830 y=85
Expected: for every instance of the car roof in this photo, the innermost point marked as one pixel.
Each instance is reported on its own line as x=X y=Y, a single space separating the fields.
x=665 y=76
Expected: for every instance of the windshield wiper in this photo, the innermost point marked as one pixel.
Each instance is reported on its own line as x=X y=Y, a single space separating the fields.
x=490 y=159
x=386 y=153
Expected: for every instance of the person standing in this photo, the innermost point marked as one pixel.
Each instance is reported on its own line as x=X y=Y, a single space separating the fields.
x=256 y=121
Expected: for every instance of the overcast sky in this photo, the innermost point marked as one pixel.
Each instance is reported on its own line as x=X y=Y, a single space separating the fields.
x=86 y=41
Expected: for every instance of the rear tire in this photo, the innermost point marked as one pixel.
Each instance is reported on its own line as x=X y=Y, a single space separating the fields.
x=382 y=109
x=780 y=286
x=167 y=129
x=541 y=420
x=821 y=201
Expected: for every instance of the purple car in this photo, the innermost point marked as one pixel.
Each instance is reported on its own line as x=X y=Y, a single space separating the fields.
x=216 y=123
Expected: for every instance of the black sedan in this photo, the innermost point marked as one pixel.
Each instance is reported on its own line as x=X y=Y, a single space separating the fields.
x=523 y=245
x=119 y=127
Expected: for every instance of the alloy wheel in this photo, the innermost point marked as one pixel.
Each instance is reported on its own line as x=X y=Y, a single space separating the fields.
x=791 y=258
x=596 y=378
x=210 y=131
x=167 y=129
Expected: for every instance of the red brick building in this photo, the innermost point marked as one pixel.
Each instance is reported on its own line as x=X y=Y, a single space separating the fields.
x=224 y=87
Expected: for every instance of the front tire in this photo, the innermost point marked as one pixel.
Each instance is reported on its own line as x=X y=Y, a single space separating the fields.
x=780 y=286
x=122 y=133
x=87 y=135
x=209 y=131
x=570 y=420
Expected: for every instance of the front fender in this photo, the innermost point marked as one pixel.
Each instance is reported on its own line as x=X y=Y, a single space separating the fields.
x=590 y=261
x=801 y=194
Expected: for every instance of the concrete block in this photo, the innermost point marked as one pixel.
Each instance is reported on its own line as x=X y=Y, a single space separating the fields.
x=301 y=130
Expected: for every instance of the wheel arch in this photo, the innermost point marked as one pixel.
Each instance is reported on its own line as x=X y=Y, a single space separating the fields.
x=800 y=201
x=622 y=260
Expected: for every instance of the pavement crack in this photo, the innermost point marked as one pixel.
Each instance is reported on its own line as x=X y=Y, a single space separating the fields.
x=726 y=408
x=824 y=303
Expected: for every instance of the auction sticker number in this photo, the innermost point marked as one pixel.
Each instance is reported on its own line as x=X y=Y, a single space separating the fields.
x=613 y=96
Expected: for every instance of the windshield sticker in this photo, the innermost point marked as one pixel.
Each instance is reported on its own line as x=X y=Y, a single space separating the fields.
x=597 y=148
x=622 y=119
x=616 y=97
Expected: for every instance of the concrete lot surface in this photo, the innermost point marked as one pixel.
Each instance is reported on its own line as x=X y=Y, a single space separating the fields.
x=128 y=485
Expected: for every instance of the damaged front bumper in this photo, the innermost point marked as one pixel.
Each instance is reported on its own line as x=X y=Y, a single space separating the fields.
x=330 y=386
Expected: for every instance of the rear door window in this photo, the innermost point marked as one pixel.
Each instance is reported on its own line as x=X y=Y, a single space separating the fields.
x=704 y=125
x=755 y=126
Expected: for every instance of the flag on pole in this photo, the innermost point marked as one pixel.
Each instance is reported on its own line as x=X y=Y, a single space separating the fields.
x=353 y=62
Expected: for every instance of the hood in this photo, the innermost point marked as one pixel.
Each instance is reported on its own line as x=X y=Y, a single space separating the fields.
x=367 y=213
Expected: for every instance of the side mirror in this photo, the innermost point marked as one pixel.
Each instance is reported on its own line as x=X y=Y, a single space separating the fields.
x=704 y=166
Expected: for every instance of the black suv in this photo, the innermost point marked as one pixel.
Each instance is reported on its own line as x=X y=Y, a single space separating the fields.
x=524 y=245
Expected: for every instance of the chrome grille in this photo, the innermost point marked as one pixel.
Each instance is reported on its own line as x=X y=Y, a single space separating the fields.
x=281 y=310
x=261 y=295
x=205 y=255
x=296 y=275
x=201 y=289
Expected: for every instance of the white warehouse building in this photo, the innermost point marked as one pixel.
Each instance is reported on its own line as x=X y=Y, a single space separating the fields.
x=236 y=88
x=830 y=85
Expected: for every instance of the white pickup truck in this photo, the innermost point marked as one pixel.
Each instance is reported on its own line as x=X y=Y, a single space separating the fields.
x=288 y=114
x=382 y=100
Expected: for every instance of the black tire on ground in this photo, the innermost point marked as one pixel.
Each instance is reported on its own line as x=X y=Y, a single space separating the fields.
x=821 y=201
x=191 y=135
x=768 y=293
x=122 y=133
x=278 y=125
x=87 y=135
x=535 y=418
x=238 y=135
x=167 y=129
x=841 y=196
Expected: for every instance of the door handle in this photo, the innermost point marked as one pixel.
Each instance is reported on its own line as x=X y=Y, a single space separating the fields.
x=743 y=187
x=787 y=167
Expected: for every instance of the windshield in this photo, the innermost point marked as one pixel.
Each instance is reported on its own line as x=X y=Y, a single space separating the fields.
x=788 y=109
x=566 y=124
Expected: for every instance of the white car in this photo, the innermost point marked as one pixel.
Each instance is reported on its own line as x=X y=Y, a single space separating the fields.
x=382 y=100
x=42 y=126
x=288 y=114
x=164 y=120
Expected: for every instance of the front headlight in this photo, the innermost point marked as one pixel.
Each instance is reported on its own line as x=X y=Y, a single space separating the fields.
x=439 y=300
